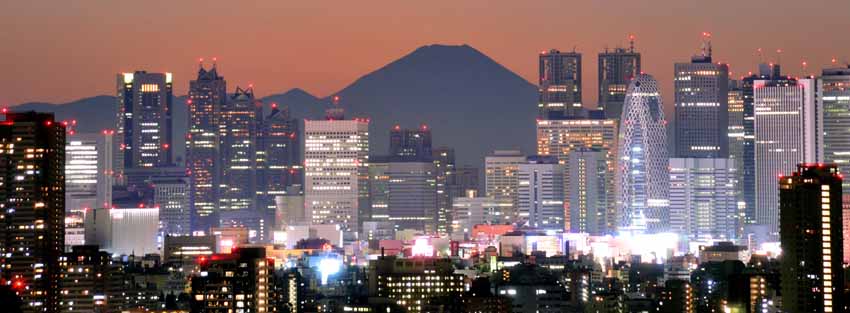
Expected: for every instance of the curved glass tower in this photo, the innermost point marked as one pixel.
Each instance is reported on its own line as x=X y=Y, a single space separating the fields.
x=642 y=178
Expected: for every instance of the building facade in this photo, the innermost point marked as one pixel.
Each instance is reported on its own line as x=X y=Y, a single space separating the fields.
x=702 y=110
x=559 y=82
x=500 y=177
x=207 y=96
x=703 y=199
x=541 y=193
x=787 y=127
x=145 y=109
x=642 y=177
x=238 y=132
x=336 y=162
x=810 y=217
x=617 y=68
x=32 y=207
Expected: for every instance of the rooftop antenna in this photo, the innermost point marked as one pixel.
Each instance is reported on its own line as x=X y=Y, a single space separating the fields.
x=631 y=43
x=201 y=63
x=778 y=56
x=214 y=62
x=803 y=66
x=760 y=55
x=706 y=44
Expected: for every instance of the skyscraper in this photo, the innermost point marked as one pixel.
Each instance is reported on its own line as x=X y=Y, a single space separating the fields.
x=766 y=71
x=703 y=198
x=737 y=142
x=500 y=170
x=834 y=95
x=88 y=179
x=145 y=108
x=541 y=193
x=559 y=82
x=810 y=218
x=336 y=160
x=642 y=177
x=238 y=149
x=787 y=130
x=588 y=130
x=446 y=179
x=701 y=98
x=589 y=197
x=32 y=207
x=207 y=96
x=616 y=69
x=410 y=144
x=278 y=157
x=171 y=195
x=412 y=195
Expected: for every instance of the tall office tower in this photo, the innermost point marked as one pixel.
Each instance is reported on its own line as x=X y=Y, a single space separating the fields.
x=834 y=95
x=238 y=149
x=589 y=198
x=412 y=195
x=736 y=144
x=145 y=108
x=207 y=96
x=787 y=128
x=703 y=198
x=91 y=281
x=446 y=179
x=336 y=164
x=278 y=157
x=766 y=71
x=171 y=195
x=243 y=277
x=32 y=207
x=559 y=83
x=379 y=192
x=500 y=177
x=584 y=130
x=410 y=144
x=616 y=69
x=88 y=179
x=541 y=193
x=642 y=177
x=701 y=90
x=811 y=232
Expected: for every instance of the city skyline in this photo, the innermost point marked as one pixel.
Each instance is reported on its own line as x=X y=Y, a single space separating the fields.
x=277 y=69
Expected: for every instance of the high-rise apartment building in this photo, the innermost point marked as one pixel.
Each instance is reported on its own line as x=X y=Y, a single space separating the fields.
x=500 y=177
x=410 y=144
x=145 y=109
x=238 y=133
x=703 y=198
x=642 y=177
x=91 y=281
x=559 y=82
x=32 y=207
x=336 y=162
x=701 y=97
x=617 y=68
x=540 y=189
x=207 y=96
x=234 y=282
x=787 y=132
x=411 y=283
x=810 y=218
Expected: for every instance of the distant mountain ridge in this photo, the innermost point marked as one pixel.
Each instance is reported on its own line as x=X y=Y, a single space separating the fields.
x=471 y=103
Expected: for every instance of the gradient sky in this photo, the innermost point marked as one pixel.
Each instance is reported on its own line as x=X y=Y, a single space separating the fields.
x=59 y=51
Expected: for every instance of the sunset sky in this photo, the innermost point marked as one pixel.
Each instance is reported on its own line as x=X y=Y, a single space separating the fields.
x=59 y=51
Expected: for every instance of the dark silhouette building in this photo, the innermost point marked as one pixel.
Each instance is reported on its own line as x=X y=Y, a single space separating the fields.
x=32 y=207
x=239 y=281
x=616 y=69
x=410 y=144
x=810 y=230
x=559 y=82
x=207 y=96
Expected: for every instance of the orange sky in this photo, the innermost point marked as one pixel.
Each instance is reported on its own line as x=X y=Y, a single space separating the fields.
x=60 y=51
